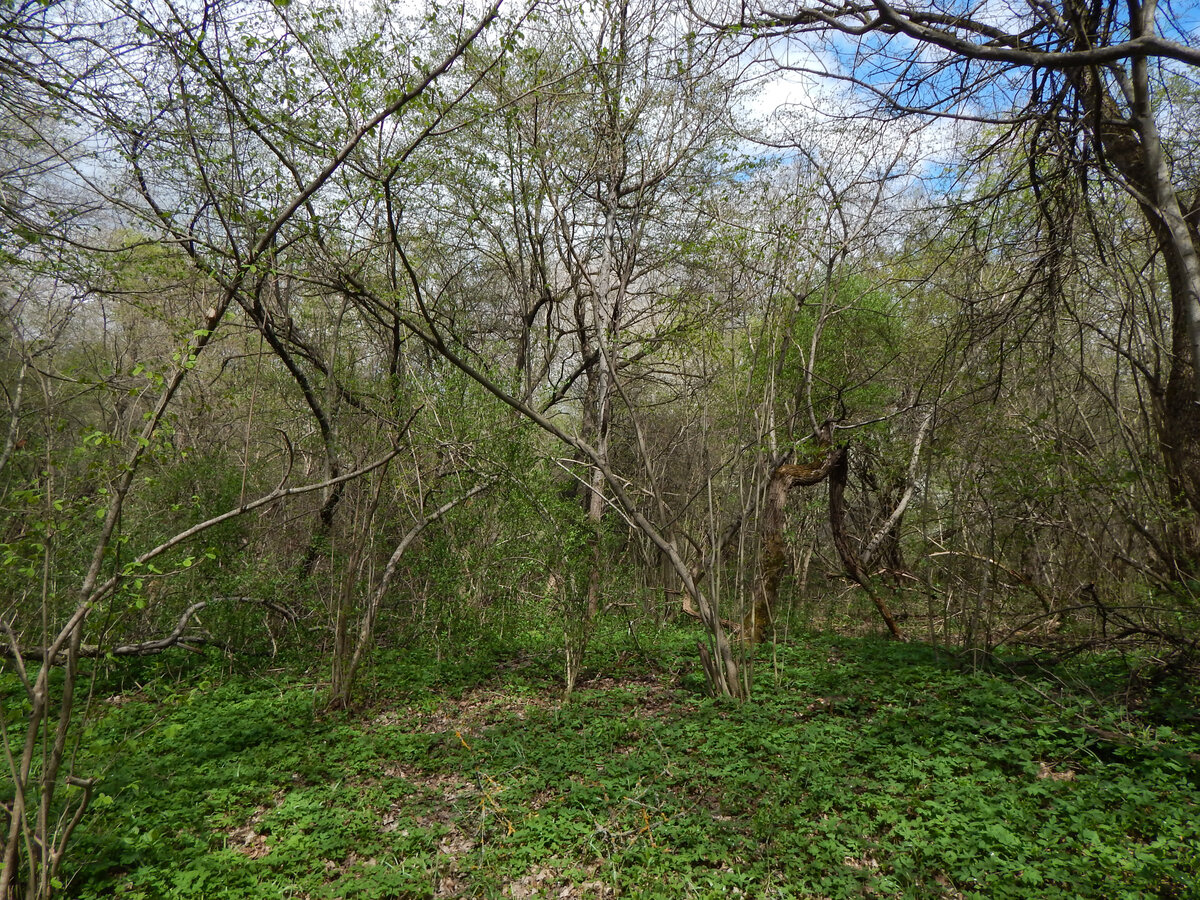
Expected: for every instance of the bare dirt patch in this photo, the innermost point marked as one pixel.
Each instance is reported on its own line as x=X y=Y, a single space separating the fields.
x=245 y=839
x=548 y=882
x=655 y=696
x=442 y=794
x=466 y=716
x=248 y=842
x=1047 y=771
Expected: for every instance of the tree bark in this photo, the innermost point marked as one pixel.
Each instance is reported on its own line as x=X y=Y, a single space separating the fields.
x=855 y=568
x=774 y=554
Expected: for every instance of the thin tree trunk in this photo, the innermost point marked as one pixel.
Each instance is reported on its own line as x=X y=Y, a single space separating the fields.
x=340 y=693
x=850 y=559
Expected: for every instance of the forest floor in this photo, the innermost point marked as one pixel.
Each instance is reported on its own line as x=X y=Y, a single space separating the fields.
x=862 y=768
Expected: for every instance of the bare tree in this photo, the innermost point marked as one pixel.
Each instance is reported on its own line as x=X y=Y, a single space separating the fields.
x=139 y=81
x=1088 y=78
x=601 y=143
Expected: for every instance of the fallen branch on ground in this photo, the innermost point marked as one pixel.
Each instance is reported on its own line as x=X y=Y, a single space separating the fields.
x=179 y=636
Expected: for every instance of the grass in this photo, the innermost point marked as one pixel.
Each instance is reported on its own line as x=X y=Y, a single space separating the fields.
x=861 y=768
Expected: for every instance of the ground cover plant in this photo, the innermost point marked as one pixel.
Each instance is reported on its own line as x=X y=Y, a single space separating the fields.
x=860 y=768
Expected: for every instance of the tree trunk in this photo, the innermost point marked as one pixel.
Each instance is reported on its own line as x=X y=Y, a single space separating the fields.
x=774 y=553
x=838 y=474
x=1133 y=148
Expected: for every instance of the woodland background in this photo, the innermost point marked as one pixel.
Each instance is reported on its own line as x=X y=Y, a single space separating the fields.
x=331 y=330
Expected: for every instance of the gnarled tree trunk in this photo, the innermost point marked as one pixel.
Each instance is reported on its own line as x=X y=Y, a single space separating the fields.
x=774 y=557
x=856 y=566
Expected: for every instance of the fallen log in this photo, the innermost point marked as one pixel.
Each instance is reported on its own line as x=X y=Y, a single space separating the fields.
x=180 y=636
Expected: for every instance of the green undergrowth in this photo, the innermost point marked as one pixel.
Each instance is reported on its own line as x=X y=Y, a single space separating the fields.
x=861 y=768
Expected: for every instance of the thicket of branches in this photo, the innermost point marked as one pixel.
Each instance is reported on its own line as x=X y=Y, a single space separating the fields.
x=322 y=329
